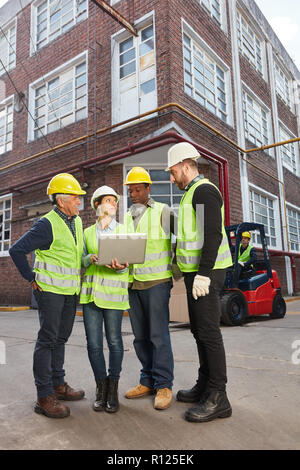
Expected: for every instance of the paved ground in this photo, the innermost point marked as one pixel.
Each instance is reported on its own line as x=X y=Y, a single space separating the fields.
x=263 y=387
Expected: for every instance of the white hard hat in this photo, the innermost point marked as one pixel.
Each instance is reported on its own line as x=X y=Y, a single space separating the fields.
x=103 y=191
x=179 y=152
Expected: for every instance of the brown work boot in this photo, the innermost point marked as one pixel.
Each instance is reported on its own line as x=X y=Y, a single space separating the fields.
x=51 y=407
x=163 y=399
x=139 y=391
x=65 y=392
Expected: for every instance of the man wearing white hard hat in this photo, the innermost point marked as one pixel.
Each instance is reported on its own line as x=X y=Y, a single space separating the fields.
x=202 y=254
x=104 y=296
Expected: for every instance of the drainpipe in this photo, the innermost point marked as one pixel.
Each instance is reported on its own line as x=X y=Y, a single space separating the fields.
x=279 y=170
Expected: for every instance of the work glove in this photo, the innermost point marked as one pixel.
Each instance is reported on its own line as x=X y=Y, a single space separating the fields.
x=200 y=286
x=241 y=263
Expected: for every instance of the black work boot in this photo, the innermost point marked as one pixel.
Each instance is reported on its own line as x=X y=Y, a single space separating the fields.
x=194 y=394
x=101 y=395
x=215 y=406
x=112 y=403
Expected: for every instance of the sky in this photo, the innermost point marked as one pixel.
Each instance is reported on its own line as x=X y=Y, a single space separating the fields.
x=284 y=17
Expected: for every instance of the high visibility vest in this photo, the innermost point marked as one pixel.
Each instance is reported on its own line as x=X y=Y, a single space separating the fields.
x=158 y=257
x=58 y=268
x=101 y=285
x=245 y=256
x=190 y=237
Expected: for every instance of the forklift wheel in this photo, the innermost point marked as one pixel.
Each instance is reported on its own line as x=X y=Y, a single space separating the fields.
x=279 y=307
x=234 y=308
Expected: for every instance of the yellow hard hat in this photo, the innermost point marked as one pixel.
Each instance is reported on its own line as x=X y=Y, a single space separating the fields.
x=246 y=235
x=64 y=183
x=137 y=175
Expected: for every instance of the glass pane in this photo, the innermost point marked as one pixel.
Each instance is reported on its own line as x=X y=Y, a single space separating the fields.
x=147 y=87
x=158 y=175
x=125 y=45
x=127 y=56
x=163 y=188
x=147 y=33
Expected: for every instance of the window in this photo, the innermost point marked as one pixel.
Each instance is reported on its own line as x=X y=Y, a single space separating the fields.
x=214 y=9
x=6 y=125
x=293 y=216
x=54 y=17
x=282 y=84
x=59 y=100
x=289 y=152
x=162 y=190
x=5 y=224
x=204 y=79
x=249 y=43
x=263 y=210
x=8 y=48
x=134 y=75
x=256 y=121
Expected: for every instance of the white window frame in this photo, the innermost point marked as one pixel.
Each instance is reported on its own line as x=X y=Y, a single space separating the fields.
x=284 y=95
x=83 y=57
x=257 y=100
x=34 y=7
x=3 y=198
x=277 y=225
x=257 y=37
x=288 y=135
x=6 y=29
x=296 y=209
x=116 y=39
x=9 y=101
x=209 y=53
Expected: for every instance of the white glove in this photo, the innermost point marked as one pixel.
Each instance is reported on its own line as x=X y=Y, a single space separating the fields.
x=241 y=263
x=200 y=286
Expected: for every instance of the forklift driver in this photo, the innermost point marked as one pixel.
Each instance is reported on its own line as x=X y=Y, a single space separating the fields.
x=247 y=256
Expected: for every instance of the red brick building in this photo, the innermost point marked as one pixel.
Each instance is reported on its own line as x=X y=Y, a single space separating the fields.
x=70 y=73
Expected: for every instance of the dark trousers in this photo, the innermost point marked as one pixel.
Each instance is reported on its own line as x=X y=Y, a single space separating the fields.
x=56 y=314
x=149 y=317
x=94 y=317
x=205 y=313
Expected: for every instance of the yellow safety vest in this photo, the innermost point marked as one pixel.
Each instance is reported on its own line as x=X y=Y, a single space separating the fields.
x=58 y=268
x=190 y=237
x=101 y=285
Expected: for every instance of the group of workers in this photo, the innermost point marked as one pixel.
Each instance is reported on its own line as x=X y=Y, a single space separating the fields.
x=62 y=249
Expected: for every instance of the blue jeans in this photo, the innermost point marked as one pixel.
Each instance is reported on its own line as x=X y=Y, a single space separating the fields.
x=56 y=315
x=149 y=316
x=94 y=317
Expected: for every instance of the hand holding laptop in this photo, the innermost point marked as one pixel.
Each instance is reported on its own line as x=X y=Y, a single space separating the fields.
x=116 y=265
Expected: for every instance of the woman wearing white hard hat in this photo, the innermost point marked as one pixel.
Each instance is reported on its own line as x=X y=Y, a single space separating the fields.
x=104 y=296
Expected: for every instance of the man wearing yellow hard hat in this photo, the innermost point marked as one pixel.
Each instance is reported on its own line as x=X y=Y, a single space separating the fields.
x=57 y=239
x=247 y=254
x=149 y=293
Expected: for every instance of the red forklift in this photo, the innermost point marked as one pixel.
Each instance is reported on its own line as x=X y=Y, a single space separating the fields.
x=250 y=294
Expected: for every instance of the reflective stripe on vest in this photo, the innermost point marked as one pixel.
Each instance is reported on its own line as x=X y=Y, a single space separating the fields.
x=58 y=269
x=101 y=285
x=191 y=234
x=158 y=259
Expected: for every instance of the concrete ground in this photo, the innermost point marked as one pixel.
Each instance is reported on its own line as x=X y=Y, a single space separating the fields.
x=263 y=361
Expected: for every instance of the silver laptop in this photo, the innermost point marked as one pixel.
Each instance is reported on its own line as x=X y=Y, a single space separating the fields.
x=126 y=247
